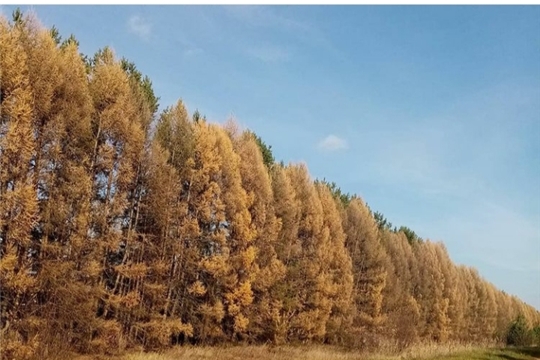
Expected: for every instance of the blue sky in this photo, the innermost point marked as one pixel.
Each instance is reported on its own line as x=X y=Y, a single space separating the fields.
x=431 y=114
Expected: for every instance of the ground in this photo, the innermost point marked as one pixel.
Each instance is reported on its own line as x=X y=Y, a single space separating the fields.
x=326 y=353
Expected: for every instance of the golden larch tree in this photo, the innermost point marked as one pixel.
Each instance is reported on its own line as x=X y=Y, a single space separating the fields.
x=399 y=305
x=118 y=140
x=18 y=199
x=311 y=304
x=336 y=279
x=288 y=250
x=268 y=269
x=368 y=259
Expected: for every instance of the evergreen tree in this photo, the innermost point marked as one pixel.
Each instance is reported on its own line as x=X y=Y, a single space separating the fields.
x=266 y=150
x=519 y=333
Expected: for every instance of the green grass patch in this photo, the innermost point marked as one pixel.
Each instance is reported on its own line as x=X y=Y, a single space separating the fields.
x=491 y=354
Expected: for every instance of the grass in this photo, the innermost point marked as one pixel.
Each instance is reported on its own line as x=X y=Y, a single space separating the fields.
x=328 y=353
x=495 y=354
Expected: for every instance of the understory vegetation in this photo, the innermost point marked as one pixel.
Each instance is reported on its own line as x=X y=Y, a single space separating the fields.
x=126 y=229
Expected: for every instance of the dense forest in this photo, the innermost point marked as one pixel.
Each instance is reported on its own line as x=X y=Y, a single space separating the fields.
x=122 y=227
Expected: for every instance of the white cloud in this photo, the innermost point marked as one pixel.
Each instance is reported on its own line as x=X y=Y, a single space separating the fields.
x=140 y=27
x=333 y=143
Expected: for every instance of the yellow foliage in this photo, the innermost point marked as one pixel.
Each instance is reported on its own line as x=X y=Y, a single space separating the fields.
x=243 y=294
x=197 y=288
x=177 y=327
x=215 y=311
x=248 y=256
x=240 y=323
x=215 y=265
x=132 y=271
x=92 y=268
x=8 y=262
x=109 y=338
x=130 y=300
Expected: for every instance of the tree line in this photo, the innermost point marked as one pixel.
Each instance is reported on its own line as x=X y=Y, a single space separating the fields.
x=123 y=227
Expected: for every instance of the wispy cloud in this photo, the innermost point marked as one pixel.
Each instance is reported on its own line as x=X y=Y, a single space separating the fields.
x=192 y=51
x=269 y=54
x=140 y=27
x=332 y=143
x=454 y=153
x=261 y=16
x=278 y=20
